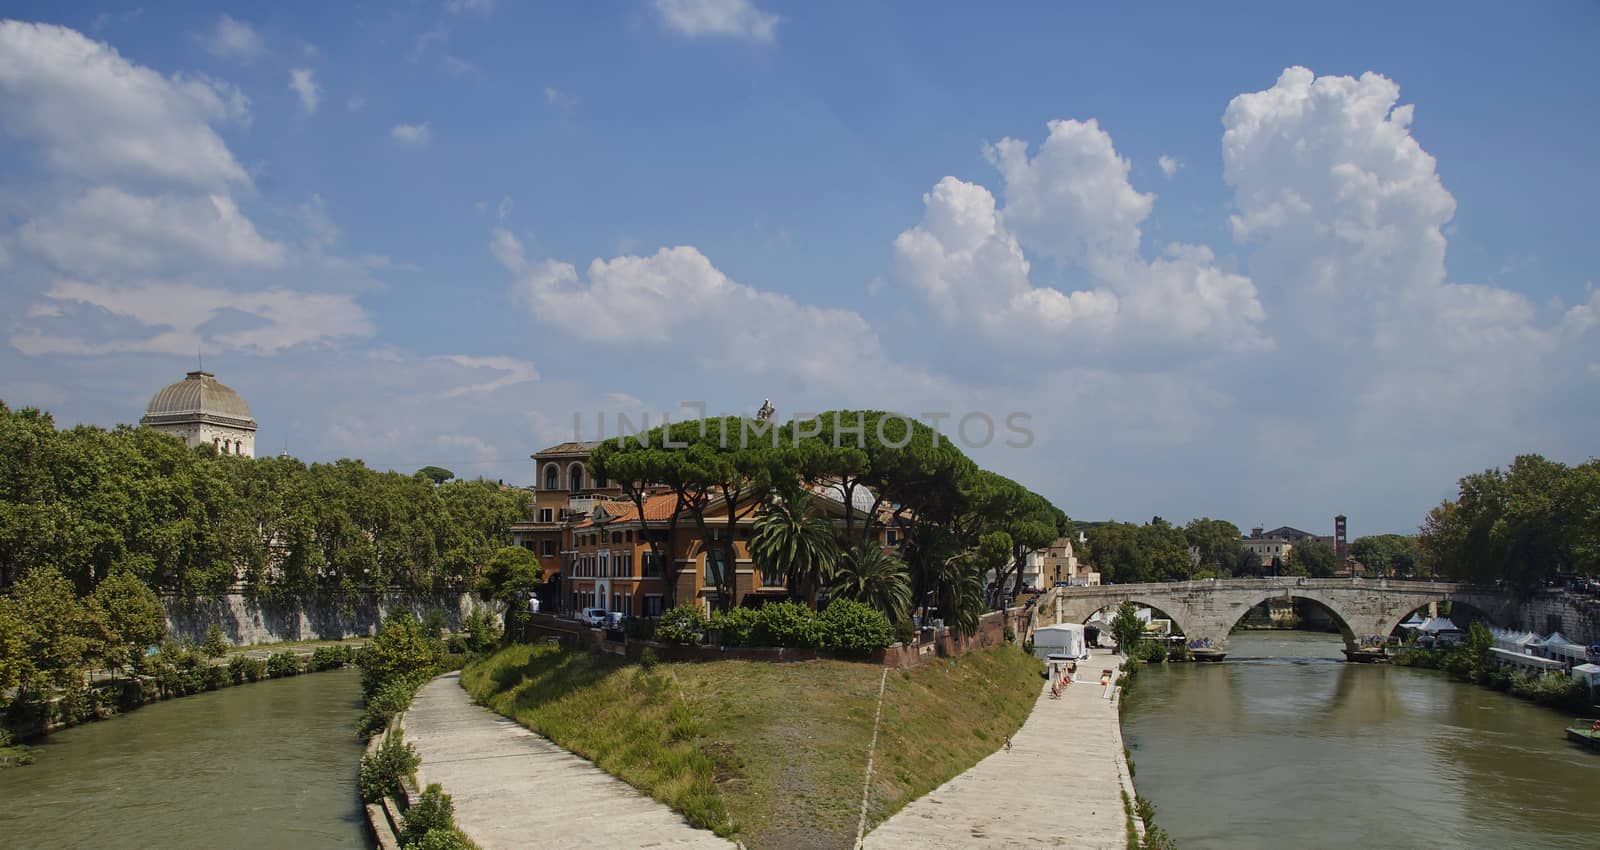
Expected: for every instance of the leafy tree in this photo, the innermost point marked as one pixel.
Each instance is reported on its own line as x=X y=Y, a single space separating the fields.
x=400 y=650
x=1217 y=542
x=513 y=574
x=871 y=576
x=56 y=633
x=1385 y=554
x=791 y=541
x=1127 y=629
x=436 y=474
x=1247 y=563
x=1313 y=558
x=130 y=617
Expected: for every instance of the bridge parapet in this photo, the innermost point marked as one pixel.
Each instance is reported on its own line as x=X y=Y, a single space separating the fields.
x=1210 y=608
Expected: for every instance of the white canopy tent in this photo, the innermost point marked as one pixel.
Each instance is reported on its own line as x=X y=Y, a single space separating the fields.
x=1062 y=639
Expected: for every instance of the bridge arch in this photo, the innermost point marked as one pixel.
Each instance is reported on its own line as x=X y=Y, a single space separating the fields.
x=1351 y=636
x=1158 y=609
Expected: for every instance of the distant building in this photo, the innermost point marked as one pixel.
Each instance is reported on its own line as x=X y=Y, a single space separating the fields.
x=202 y=410
x=1057 y=563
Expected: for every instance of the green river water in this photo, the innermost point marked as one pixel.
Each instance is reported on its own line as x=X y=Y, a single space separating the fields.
x=1284 y=745
x=262 y=766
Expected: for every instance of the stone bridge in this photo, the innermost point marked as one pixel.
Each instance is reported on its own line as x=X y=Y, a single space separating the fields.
x=1210 y=609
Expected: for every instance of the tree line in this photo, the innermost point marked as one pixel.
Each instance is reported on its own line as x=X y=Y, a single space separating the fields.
x=1158 y=550
x=1521 y=526
x=90 y=502
x=959 y=524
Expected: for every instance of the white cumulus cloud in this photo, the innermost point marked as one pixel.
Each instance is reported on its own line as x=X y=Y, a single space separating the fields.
x=233 y=39
x=96 y=115
x=1071 y=203
x=303 y=81
x=728 y=18
x=415 y=135
x=1170 y=165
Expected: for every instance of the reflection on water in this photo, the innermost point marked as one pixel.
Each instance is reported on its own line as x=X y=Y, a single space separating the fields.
x=269 y=765
x=1283 y=745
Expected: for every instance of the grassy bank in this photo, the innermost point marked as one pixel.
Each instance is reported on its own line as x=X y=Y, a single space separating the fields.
x=774 y=752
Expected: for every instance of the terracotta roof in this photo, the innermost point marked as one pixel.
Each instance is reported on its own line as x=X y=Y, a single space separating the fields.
x=656 y=508
x=569 y=448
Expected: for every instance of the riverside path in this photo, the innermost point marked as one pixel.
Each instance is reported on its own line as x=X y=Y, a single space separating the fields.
x=1060 y=784
x=513 y=788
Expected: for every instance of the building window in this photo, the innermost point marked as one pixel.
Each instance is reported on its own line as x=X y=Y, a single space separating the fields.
x=652 y=605
x=552 y=478
x=628 y=536
x=547 y=515
x=616 y=537
x=652 y=566
x=716 y=564
x=549 y=548
x=575 y=477
x=599 y=481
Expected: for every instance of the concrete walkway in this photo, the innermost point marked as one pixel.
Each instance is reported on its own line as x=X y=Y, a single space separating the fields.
x=1060 y=784
x=513 y=788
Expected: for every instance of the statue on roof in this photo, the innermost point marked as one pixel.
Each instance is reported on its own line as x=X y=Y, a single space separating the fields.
x=766 y=411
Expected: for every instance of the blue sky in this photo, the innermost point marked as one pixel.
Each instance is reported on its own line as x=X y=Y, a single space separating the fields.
x=1339 y=294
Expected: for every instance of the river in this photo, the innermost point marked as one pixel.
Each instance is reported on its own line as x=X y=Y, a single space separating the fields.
x=1285 y=745
x=264 y=766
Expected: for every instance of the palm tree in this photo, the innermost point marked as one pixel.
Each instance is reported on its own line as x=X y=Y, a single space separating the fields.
x=869 y=575
x=791 y=543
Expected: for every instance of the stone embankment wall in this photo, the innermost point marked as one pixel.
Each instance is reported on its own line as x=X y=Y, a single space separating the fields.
x=941 y=643
x=1577 y=617
x=248 y=620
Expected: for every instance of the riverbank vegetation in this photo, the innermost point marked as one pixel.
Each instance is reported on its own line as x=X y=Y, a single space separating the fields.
x=721 y=741
x=1521 y=525
x=1472 y=662
x=68 y=659
x=90 y=503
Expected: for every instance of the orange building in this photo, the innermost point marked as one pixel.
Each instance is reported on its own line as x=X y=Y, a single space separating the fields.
x=595 y=551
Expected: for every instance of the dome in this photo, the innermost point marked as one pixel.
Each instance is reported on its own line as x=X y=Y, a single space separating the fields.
x=199 y=396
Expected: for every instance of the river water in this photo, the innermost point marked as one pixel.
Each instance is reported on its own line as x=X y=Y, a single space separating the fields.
x=262 y=766
x=1284 y=745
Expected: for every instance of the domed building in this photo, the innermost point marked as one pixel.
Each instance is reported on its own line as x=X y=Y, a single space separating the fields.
x=200 y=409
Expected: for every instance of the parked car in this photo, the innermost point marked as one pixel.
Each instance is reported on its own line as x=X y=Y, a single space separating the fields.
x=615 y=620
x=592 y=617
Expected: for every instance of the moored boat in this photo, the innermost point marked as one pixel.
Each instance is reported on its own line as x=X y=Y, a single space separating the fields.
x=1585 y=732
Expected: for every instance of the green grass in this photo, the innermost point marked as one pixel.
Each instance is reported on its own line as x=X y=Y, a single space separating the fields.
x=774 y=752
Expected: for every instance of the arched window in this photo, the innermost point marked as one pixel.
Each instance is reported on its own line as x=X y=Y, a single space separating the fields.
x=599 y=482
x=216 y=443
x=552 y=477
x=575 y=477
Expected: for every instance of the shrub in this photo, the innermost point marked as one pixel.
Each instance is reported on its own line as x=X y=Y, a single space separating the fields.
x=1010 y=634
x=905 y=632
x=854 y=627
x=433 y=811
x=648 y=659
x=786 y=624
x=1150 y=652
x=216 y=676
x=400 y=649
x=215 y=645
x=392 y=698
x=684 y=625
x=282 y=664
x=438 y=839
x=434 y=624
x=482 y=630
x=242 y=668
x=328 y=658
x=738 y=626
x=383 y=769
x=1178 y=652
